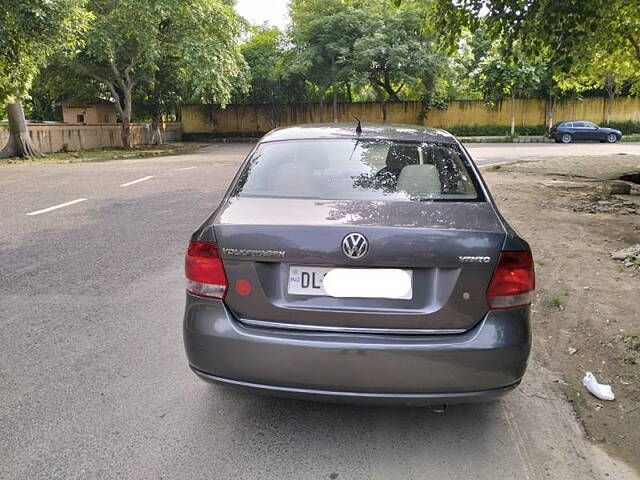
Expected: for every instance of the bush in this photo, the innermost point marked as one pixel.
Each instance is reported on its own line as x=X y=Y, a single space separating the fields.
x=625 y=127
x=495 y=130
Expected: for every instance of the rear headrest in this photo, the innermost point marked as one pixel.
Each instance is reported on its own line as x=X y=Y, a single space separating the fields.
x=296 y=178
x=420 y=181
x=402 y=155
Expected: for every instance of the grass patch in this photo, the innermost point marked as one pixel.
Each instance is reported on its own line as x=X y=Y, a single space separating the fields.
x=632 y=341
x=496 y=130
x=557 y=299
x=493 y=168
x=106 y=154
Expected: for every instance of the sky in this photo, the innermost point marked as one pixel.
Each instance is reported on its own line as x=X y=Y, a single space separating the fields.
x=260 y=11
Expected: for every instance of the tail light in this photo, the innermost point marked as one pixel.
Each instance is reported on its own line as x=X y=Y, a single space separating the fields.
x=513 y=281
x=204 y=270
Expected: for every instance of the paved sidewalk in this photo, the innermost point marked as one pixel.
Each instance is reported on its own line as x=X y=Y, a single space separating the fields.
x=596 y=167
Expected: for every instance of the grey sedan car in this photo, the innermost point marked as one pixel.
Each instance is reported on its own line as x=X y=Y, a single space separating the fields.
x=359 y=265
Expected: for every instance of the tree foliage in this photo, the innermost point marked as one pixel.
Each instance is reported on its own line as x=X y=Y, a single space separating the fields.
x=274 y=78
x=178 y=50
x=497 y=76
x=569 y=35
x=366 y=42
x=31 y=31
x=395 y=49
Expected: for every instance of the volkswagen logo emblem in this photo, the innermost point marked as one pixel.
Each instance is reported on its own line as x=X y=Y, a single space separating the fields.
x=355 y=245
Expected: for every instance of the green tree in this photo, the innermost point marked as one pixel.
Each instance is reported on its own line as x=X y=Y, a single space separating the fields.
x=162 y=50
x=264 y=53
x=323 y=33
x=269 y=57
x=563 y=31
x=498 y=76
x=395 y=49
x=31 y=31
x=354 y=45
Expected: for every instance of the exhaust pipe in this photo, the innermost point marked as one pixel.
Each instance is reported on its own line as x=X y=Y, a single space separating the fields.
x=438 y=408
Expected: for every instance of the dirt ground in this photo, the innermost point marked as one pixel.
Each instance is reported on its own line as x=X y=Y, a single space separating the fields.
x=587 y=309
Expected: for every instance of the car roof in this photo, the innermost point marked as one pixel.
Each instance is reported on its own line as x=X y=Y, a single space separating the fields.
x=370 y=131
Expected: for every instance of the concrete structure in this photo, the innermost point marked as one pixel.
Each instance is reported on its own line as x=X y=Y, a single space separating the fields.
x=254 y=120
x=53 y=138
x=99 y=111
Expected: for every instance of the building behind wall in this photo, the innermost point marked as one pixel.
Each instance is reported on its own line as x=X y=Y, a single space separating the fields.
x=88 y=113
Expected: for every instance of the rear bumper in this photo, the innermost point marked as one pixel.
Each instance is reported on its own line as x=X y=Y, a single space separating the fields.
x=480 y=364
x=372 y=398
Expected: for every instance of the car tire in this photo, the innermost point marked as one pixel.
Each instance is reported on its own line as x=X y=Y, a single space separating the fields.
x=566 y=138
x=612 y=138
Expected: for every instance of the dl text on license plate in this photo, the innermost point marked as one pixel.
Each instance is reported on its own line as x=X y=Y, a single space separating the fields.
x=351 y=282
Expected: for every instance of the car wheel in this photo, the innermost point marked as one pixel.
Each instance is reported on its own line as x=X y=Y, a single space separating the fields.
x=612 y=138
x=566 y=138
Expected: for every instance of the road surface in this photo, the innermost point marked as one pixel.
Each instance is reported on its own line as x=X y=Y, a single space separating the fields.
x=94 y=380
x=496 y=153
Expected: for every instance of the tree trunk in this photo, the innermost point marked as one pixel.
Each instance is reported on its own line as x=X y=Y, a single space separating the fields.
x=349 y=93
x=513 y=111
x=335 y=104
x=393 y=94
x=610 y=87
x=126 y=119
x=156 y=132
x=20 y=143
x=126 y=132
x=551 y=106
x=321 y=106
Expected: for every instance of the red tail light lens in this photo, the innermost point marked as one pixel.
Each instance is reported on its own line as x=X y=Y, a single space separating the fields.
x=513 y=281
x=204 y=270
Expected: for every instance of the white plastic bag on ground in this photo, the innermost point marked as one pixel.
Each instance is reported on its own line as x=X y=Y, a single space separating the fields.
x=603 y=392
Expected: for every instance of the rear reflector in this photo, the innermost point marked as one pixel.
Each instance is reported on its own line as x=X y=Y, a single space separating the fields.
x=513 y=281
x=204 y=270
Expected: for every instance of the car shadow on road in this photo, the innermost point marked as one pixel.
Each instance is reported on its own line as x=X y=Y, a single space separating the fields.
x=279 y=434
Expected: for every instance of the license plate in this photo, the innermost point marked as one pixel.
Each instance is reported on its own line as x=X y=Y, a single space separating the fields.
x=351 y=282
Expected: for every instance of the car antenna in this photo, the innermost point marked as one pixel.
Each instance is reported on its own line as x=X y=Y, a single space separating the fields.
x=359 y=126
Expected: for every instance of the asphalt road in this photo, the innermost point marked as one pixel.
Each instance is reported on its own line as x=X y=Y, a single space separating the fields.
x=94 y=382
x=496 y=153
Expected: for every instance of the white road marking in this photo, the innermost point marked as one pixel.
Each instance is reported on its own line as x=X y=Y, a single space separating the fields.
x=184 y=168
x=56 y=207
x=144 y=179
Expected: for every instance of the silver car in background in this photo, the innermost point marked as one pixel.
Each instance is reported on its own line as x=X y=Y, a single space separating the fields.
x=359 y=265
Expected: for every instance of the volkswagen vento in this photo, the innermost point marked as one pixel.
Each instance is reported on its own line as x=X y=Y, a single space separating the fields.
x=359 y=265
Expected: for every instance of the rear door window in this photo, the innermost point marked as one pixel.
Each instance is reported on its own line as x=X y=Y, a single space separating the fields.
x=358 y=169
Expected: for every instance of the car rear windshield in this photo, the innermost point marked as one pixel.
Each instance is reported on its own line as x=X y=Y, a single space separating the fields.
x=347 y=169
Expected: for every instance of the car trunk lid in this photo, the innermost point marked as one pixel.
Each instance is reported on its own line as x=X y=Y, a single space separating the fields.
x=450 y=247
